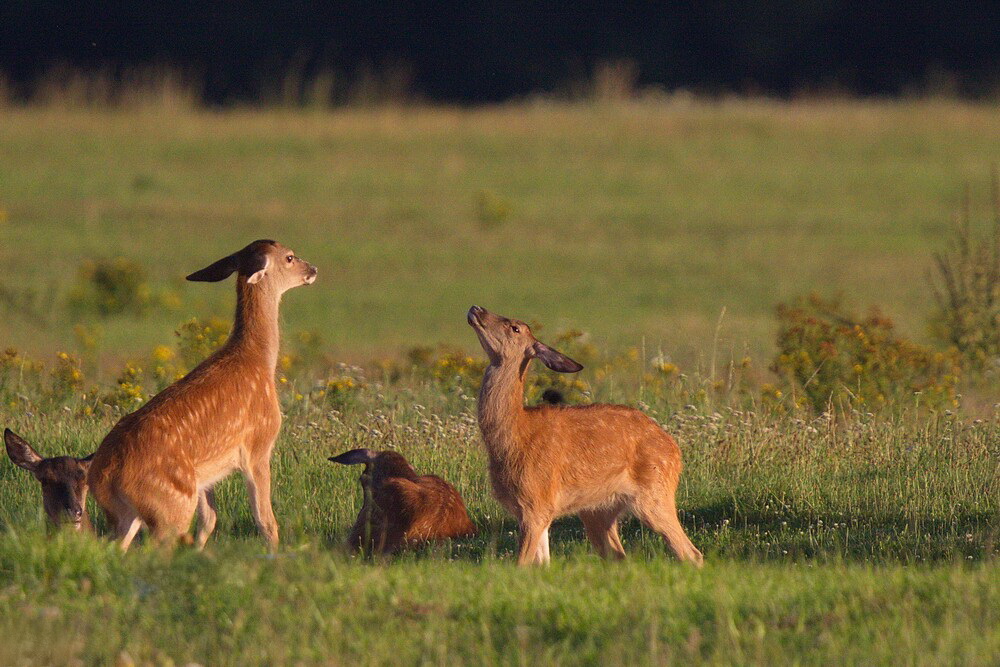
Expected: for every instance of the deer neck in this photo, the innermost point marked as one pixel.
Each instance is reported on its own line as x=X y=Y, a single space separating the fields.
x=255 y=328
x=501 y=405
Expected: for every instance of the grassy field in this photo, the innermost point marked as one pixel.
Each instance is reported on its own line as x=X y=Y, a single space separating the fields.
x=854 y=539
x=826 y=542
x=629 y=222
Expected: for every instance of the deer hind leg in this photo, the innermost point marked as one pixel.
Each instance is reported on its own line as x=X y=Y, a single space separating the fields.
x=126 y=526
x=659 y=513
x=206 y=516
x=258 y=477
x=602 y=531
x=533 y=531
x=170 y=523
x=122 y=518
x=542 y=555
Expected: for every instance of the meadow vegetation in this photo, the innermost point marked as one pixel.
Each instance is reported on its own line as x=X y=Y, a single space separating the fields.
x=842 y=471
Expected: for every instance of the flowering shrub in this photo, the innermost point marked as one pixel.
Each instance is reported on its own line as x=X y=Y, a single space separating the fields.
x=198 y=338
x=67 y=377
x=128 y=393
x=87 y=336
x=339 y=391
x=457 y=368
x=827 y=354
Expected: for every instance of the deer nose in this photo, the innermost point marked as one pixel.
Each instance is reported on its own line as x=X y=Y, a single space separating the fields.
x=76 y=513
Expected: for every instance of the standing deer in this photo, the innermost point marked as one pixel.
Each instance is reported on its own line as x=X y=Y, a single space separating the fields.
x=223 y=415
x=401 y=507
x=548 y=461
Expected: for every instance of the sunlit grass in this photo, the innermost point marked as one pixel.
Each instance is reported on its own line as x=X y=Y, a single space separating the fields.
x=657 y=216
x=667 y=231
x=857 y=539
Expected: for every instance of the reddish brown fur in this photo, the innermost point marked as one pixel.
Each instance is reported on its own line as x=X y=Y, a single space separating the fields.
x=64 y=487
x=401 y=507
x=223 y=415
x=549 y=461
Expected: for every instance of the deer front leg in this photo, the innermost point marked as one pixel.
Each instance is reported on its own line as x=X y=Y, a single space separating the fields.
x=258 y=478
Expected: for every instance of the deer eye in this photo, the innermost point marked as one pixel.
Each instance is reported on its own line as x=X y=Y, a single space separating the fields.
x=290 y=258
x=515 y=328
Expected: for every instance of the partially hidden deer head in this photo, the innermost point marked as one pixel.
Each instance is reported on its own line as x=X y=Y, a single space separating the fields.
x=63 y=480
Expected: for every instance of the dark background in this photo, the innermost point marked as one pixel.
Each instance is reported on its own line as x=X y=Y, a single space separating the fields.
x=487 y=51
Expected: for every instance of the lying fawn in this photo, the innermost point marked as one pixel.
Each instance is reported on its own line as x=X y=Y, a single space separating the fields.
x=401 y=507
x=223 y=415
x=547 y=461
x=64 y=487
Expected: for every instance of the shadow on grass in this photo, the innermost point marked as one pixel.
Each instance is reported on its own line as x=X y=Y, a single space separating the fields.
x=725 y=529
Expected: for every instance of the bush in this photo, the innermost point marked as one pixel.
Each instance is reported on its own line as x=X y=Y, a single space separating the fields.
x=111 y=287
x=198 y=338
x=491 y=208
x=968 y=291
x=829 y=355
x=128 y=393
x=67 y=377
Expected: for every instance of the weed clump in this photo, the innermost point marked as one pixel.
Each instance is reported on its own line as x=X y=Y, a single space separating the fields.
x=199 y=337
x=827 y=354
x=491 y=208
x=967 y=291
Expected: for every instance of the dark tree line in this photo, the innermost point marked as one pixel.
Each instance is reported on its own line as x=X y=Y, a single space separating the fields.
x=487 y=50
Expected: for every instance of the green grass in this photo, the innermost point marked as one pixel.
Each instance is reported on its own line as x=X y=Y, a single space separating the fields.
x=860 y=539
x=631 y=222
x=231 y=608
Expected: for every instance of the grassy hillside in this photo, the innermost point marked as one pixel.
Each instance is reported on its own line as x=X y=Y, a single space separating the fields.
x=634 y=222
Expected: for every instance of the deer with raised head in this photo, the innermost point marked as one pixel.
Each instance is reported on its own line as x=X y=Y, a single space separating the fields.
x=222 y=416
x=547 y=461
x=400 y=506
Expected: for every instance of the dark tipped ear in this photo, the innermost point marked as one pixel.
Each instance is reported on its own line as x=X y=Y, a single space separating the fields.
x=354 y=457
x=216 y=271
x=557 y=361
x=19 y=451
x=254 y=267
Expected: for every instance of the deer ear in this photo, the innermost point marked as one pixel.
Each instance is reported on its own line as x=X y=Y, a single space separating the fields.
x=216 y=271
x=20 y=452
x=257 y=267
x=354 y=457
x=557 y=361
x=86 y=461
